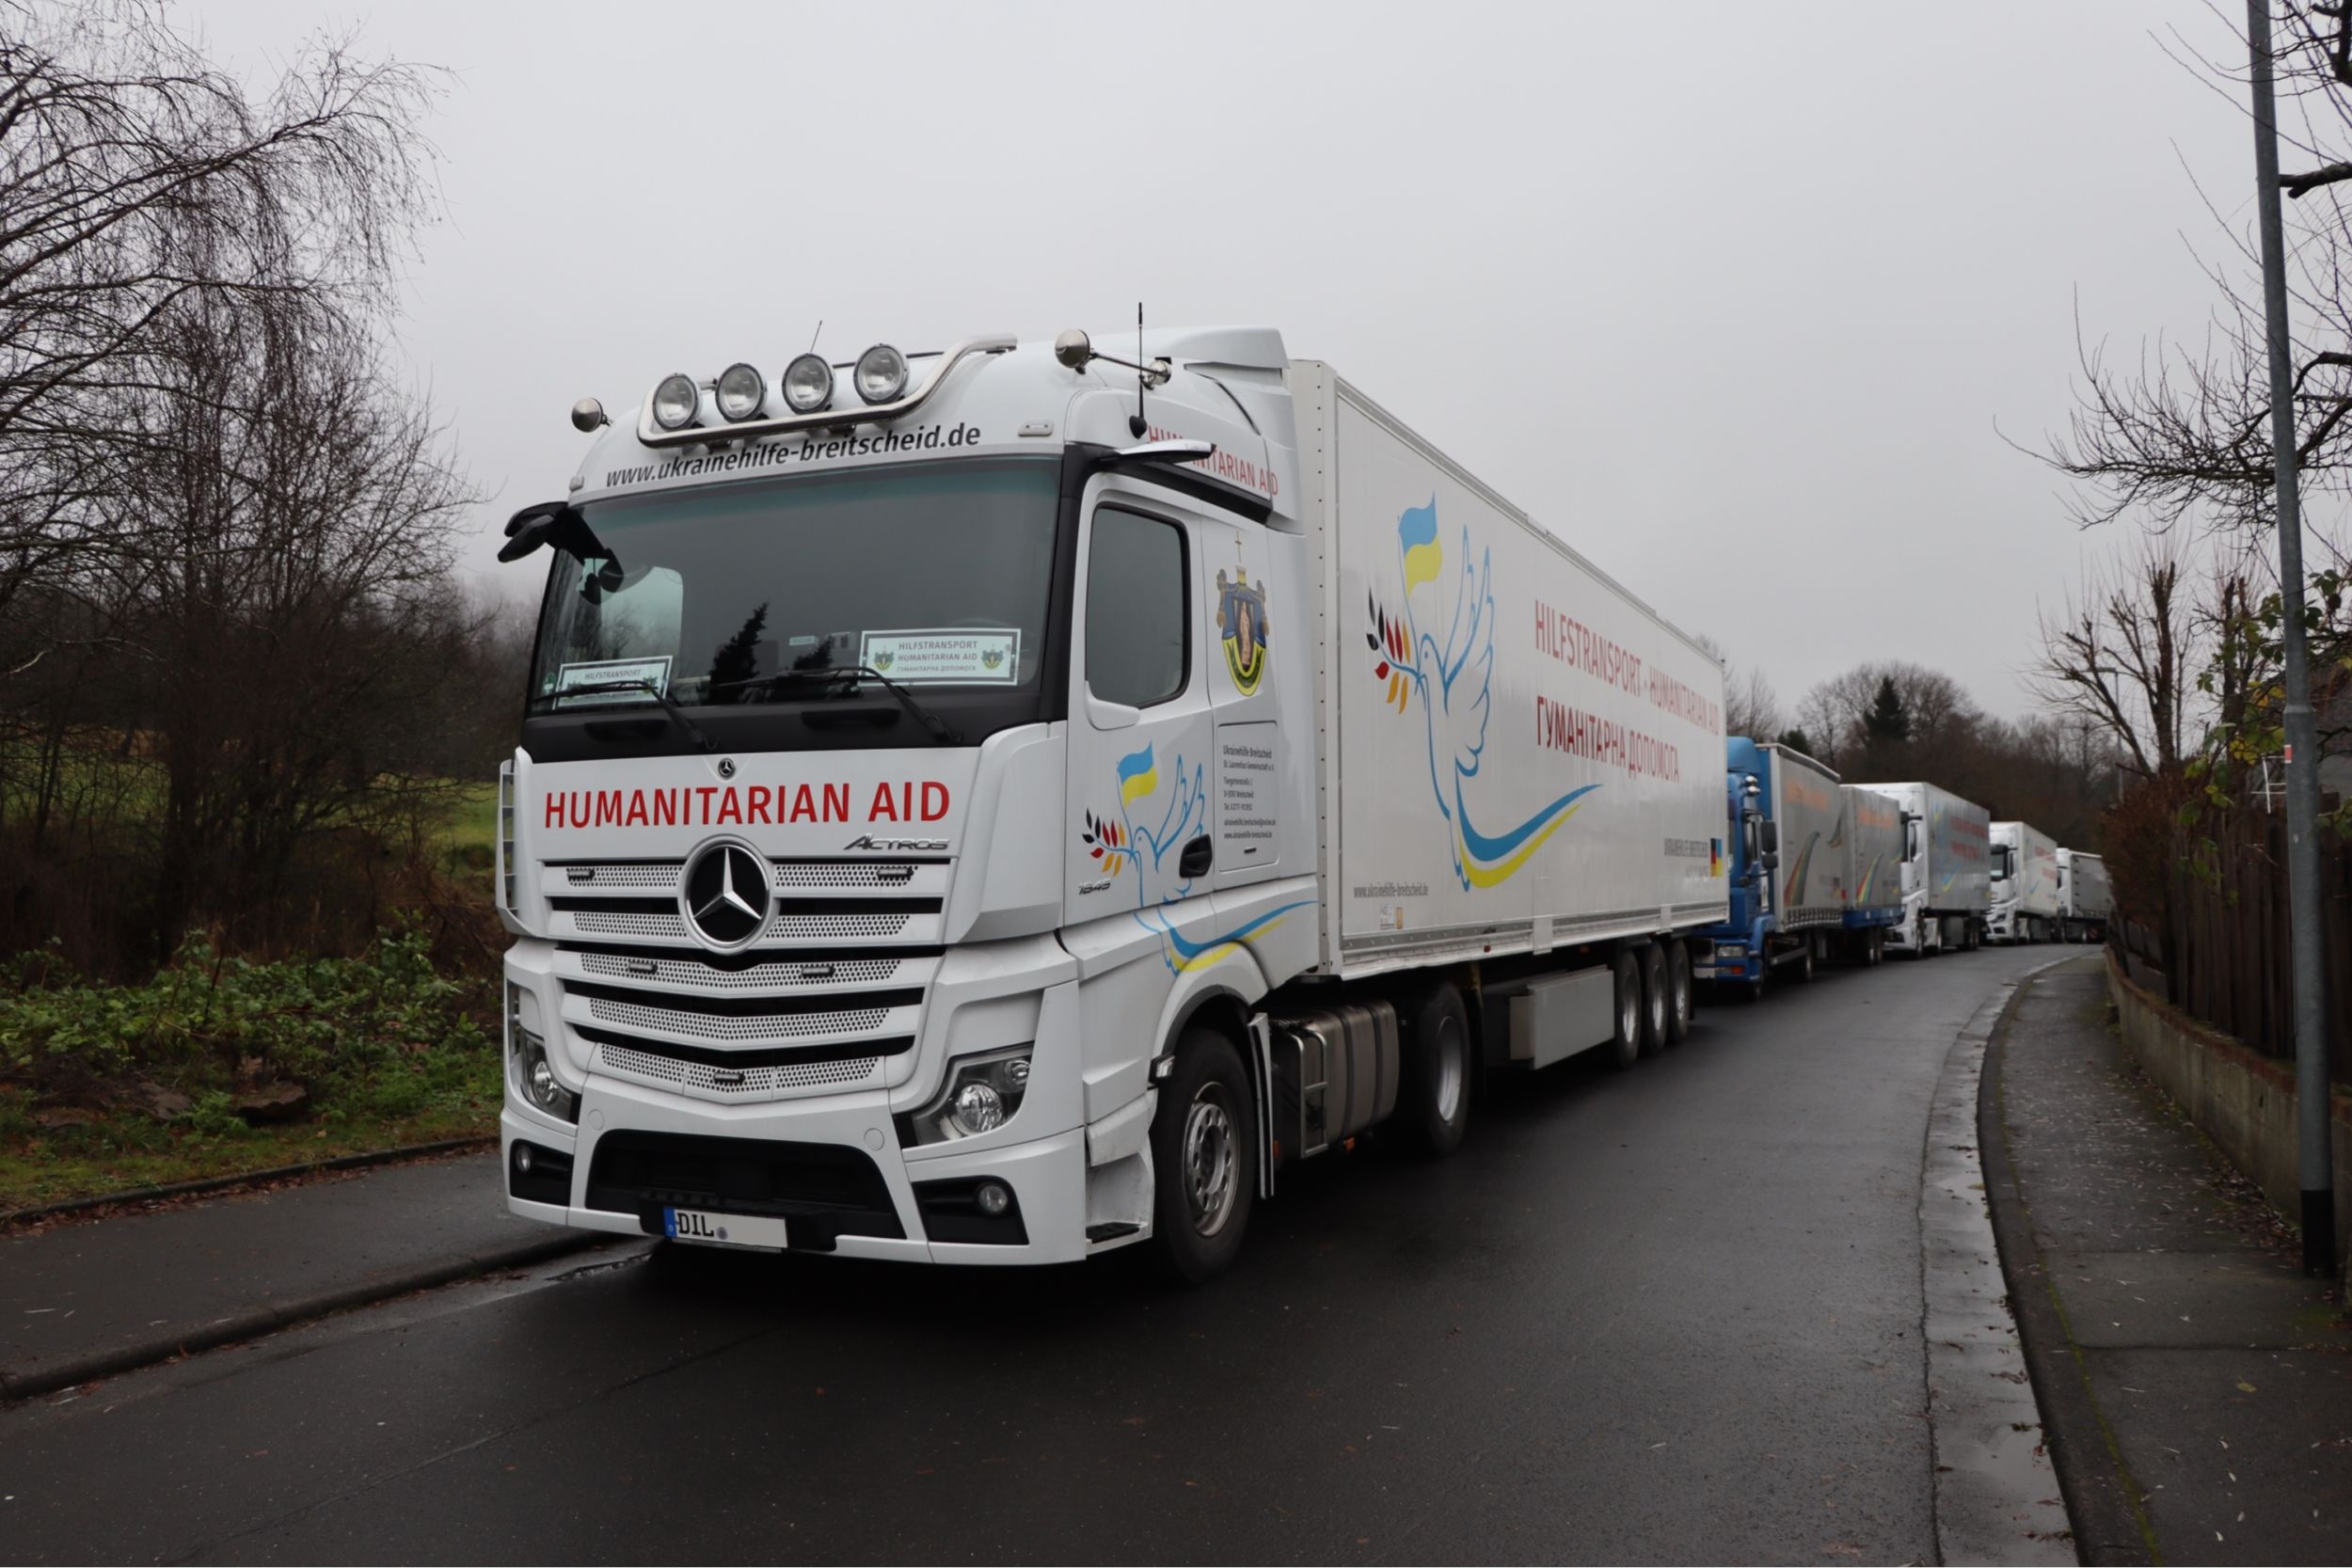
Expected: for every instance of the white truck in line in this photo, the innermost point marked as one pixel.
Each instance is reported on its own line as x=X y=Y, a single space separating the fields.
x=1947 y=859
x=1012 y=806
x=2085 y=897
x=2022 y=901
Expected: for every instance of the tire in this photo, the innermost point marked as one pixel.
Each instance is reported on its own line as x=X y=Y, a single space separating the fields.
x=1204 y=1159
x=1655 y=1002
x=1625 y=1046
x=1681 y=1000
x=1873 y=948
x=1434 y=1098
x=1802 y=969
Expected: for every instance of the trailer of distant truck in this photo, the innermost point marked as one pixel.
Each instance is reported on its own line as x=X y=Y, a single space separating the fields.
x=1006 y=805
x=2085 y=898
x=2022 y=902
x=1946 y=881
x=1791 y=836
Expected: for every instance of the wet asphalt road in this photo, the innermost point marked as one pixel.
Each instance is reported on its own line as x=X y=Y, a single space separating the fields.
x=1668 y=1315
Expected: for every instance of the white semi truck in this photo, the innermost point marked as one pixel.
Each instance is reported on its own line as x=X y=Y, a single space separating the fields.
x=1006 y=805
x=2022 y=901
x=1946 y=854
x=2085 y=897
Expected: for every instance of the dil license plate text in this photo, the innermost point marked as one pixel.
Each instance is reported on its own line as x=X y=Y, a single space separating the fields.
x=709 y=1229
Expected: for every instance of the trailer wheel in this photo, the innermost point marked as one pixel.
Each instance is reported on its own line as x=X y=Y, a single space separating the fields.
x=1874 y=947
x=1680 y=1000
x=1204 y=1159
x=1804 y=966
x=1656 y=1006
x=1625 y=1046
x=1434 y=1108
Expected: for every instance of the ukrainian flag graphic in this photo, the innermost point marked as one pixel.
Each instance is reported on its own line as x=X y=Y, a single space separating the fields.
x=1137 y=778
x=1416 y=535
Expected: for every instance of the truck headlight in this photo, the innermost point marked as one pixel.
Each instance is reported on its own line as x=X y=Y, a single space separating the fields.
x=740 y=392
x=881 y=373
x=527 y=1056
x=807 y=384
x=983 y=1093
x=675 y=401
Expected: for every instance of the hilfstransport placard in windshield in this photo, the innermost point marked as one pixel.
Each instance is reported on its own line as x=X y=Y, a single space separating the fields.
x=769 y=455
x=945 y=654
x=604 y=672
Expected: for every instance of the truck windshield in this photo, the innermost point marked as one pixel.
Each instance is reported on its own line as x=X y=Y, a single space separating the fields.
x=937 y=576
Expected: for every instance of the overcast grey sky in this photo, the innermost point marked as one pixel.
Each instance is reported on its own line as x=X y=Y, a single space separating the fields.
x=1730 y=296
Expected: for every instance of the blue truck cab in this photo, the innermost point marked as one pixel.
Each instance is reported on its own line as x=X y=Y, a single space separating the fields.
x=1751 y=850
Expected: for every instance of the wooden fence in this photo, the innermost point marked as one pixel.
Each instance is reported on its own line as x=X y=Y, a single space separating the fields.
x=2218 y=948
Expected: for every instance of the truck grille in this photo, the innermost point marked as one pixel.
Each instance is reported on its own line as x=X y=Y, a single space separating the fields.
x=637 y=1015
x=734 y=1083
x=831 y=991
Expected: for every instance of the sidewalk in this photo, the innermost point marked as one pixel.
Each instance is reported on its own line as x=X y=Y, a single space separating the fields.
x=2196 y=1387
x=82 y=1301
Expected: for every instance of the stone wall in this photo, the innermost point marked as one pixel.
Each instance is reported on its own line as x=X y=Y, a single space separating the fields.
x=2243 y=1102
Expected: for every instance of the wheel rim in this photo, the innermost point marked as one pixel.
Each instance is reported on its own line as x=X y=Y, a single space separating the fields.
x=1210 y=1158
x=1657 y=995
x=1448 y=1068
x=1629 y=1016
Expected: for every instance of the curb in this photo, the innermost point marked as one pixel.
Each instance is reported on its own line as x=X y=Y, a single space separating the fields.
x=256 y=1321
x=1994 y=1476
x=2110 y=1524
x=245 y=1178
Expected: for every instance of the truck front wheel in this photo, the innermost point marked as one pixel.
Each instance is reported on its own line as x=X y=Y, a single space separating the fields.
x=1204 y=1158
x=1435 y=1106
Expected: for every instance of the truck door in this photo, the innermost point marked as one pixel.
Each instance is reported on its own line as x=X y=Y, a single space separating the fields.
x=1140 y=731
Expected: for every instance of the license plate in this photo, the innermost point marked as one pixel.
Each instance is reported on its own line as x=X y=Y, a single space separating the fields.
x=708 y=1229
x=1703 y=972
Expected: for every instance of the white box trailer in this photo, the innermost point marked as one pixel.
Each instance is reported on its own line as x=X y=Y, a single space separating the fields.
x=1515 y=754
x=2022 y=895
x=1947 y=868
x=1874 y=858
x=2085 y=897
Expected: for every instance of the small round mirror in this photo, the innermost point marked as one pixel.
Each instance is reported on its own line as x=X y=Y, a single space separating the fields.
x=588 y=415
x=1073 y=349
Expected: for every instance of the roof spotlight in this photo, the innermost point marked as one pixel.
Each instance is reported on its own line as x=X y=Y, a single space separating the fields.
x=675 y=401
x=741 y=390
x=807 y=384
x=881 y=373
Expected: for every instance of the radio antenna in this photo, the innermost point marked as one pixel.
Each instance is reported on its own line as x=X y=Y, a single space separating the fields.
x=818 y=333
x=1137 y=425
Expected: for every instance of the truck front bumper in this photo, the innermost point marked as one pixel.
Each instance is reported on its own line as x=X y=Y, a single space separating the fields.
x=862 y=1197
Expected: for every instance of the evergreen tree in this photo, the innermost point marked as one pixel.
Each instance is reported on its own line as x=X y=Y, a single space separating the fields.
x=1888 y=721
x=1795 y=741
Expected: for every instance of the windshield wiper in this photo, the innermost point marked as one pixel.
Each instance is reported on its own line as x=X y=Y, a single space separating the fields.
x=669 y=704
x=940 y=728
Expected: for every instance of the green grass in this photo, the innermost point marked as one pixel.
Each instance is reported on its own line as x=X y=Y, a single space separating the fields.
x=127 y=1150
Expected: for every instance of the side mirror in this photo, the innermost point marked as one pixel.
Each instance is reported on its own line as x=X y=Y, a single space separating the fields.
x=547 y=522
x=1771 y=839
x=1769 y=859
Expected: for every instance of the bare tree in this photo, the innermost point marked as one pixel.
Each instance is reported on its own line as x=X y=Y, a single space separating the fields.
x=135 y=177
x=1751 y=707
x=2123 y=653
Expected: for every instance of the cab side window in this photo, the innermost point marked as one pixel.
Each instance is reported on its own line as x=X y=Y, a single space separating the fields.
x=1138 y=627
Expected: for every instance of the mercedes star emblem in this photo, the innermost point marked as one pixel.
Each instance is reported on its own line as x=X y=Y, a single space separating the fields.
x=724 y=895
